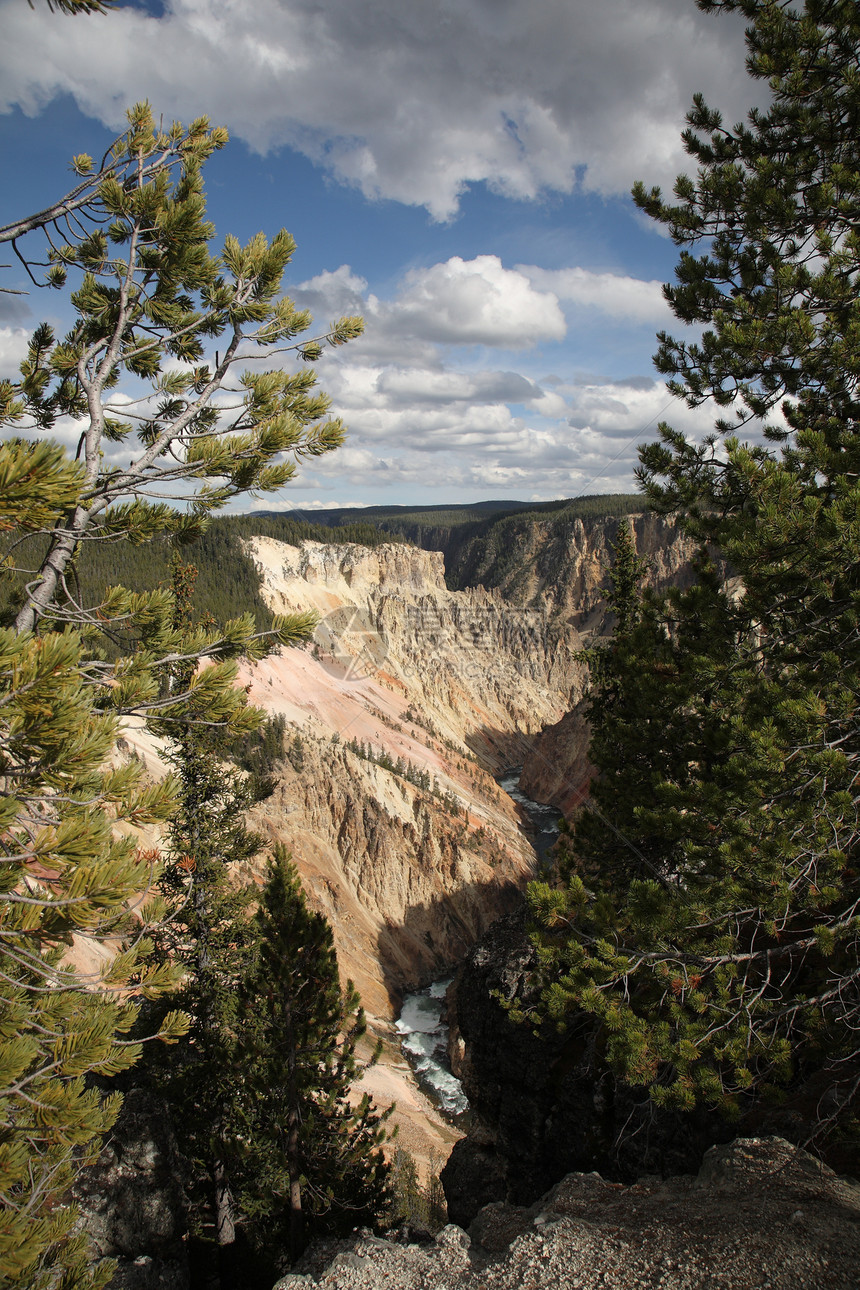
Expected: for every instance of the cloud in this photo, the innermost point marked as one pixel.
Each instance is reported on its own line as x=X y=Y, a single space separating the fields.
x=300 y=510
x=614 y=294
x=426 y=411
x=13 y=350
x=406 y=386
x=629 y=408
x=333 y=292
x=468 y=302
x=13 y=307
x=456 y=302
x=403 y=100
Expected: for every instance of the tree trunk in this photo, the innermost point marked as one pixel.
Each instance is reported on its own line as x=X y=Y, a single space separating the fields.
x=294 y=1164
x=225 y=1226
x=297 y=1217
x=44 y=586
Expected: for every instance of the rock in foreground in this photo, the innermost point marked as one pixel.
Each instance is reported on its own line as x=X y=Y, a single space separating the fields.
x=761 y=1215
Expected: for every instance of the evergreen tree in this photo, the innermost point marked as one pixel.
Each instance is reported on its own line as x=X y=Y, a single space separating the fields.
x=68 y=883
x=314 y=1154
x=414 y=1205
x=728 y=964
x=208 y=934
x=149 y=294
x=261 y=752
x=621 y=737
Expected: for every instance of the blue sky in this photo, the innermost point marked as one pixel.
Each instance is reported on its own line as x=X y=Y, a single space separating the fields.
x=457 y=171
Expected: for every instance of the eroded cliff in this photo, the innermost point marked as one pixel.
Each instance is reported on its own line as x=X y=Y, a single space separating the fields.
x=563 y=564
x=408 y=701
x=560 y=561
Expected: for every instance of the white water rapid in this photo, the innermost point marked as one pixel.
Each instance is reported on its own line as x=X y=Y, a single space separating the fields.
x=424 y=1035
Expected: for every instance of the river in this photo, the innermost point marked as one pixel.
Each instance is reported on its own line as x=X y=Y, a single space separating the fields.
x=424 y=1034
x=425 y=1043
x=544 y=819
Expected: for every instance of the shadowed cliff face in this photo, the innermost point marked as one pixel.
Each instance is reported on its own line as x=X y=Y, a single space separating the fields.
x=560 y=563
x=407 y=885
x=556 y=769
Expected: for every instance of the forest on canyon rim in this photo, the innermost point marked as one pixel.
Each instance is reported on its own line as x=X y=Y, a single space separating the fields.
x=705 y=913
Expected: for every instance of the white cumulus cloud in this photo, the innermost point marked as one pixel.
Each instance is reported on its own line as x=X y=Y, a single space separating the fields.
x=468 y=302
x=614 y=294
x=402 y=98
x=456 y=302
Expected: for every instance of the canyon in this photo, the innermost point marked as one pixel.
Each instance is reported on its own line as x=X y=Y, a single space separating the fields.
x=410 y=864
x=408 y=703
x=414 y=697
x=412 y=700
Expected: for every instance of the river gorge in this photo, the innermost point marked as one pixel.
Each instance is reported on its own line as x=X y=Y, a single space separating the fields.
x=403 y=719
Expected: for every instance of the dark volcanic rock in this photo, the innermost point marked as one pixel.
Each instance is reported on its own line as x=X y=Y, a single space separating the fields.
x=133 y=1202
x=545 y=1107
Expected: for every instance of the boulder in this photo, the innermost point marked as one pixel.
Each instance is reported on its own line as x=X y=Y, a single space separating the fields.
x=132 y=1199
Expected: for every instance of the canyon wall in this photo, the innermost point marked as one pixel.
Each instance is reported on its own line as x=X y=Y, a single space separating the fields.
x=559 y=561
x=409 y=700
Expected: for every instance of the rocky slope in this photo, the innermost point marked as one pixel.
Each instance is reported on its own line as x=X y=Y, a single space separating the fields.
x=411 y=696
x=761 y=1215
x=491 y=669
x=559 y=561
x=133 y=1201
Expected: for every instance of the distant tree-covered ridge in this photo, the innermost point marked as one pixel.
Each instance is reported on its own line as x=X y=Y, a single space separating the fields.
x=228 y=582
x=454 y=514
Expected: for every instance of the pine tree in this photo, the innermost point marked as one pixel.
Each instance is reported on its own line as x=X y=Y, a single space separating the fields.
x=314 y=1156
x=150 y=295
x=651 y=666
x=151 y=302
x=727 y=967
x=69 y=883
x=207 y=933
